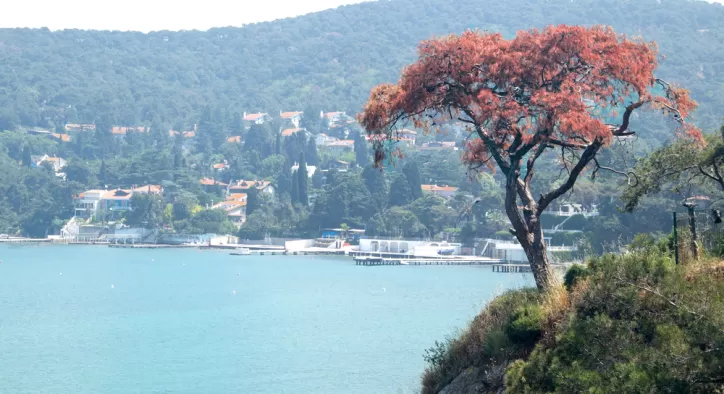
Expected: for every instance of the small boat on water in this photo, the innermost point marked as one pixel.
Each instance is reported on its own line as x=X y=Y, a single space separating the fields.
x=241 y=252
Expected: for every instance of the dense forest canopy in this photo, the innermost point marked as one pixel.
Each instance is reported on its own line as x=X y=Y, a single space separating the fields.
x=321 y=61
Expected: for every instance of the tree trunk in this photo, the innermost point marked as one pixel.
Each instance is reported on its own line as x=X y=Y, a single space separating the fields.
x=529 y=233
x=537 y=253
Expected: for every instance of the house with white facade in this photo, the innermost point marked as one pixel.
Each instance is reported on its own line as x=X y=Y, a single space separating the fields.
x=256 y=118
x=340 y=146
x=295 y=118
x=56 y=163
x=243 y=186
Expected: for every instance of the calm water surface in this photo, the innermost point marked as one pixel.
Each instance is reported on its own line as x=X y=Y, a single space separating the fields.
x=92 y=319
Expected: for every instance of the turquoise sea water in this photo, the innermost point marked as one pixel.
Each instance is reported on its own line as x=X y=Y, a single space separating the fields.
x=92 y=319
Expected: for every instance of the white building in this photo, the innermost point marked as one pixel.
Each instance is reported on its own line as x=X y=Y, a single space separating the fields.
x=310 y=169
x=511 y=251
x=412 y=247
x=295 y=117
x=257 y=118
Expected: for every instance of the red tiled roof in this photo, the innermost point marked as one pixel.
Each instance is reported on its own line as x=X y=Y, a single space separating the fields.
x=61 y=137
x=118 y=194
x=246 y=185
x=289 y=115
x=219 y=166
x=237 y=197
x=435 y=188
x=333 y=114
x=253 y=117
x=289 y=132
x=235 y=139
x=211 y=182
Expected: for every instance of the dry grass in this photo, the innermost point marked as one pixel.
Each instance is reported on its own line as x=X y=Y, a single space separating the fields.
x=710 y=268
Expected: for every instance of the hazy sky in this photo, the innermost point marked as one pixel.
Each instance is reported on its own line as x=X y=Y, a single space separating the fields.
x=147 y=15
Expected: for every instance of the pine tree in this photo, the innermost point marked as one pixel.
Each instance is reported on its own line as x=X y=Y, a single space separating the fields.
x=412 y=173
x=295 y=188
x=252 y=201
x=303 y=181
x=400 y=192
x=27 y=160
x=361 y=153
x=376 y=184
x=311 y=152
x=102 y=173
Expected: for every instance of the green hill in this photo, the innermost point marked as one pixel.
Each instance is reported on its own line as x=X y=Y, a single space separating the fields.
x=322 y=61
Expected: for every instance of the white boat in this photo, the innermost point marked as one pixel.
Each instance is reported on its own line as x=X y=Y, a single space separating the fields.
x=242 y=252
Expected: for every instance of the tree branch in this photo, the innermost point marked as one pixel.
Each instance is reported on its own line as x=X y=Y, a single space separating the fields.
x=586 y=158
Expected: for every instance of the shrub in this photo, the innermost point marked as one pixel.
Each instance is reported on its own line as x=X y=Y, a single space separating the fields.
x=642 y=325
x=574 y=275
x=525 y=325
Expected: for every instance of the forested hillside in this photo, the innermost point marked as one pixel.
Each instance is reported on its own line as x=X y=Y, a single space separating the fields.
x=327 y=60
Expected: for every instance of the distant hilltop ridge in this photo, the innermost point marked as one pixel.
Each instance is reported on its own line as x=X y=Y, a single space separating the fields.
x=329 y=59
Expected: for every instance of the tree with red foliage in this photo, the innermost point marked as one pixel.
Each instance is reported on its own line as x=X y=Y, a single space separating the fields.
x=542 y=91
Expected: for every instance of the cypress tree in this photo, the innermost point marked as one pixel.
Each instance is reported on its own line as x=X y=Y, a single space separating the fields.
x=303 y=181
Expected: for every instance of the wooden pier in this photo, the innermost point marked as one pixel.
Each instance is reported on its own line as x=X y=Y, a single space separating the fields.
x=516 y=268
x=375 y=261
x=150 y=246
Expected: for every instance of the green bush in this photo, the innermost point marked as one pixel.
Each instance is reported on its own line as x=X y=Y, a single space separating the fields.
x=574 y=275
x=642 y=325
x=525 y=326
x=639 y=324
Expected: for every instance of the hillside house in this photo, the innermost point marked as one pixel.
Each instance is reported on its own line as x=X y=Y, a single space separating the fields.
x=104 y=204
x=323 y=139
x=235 y=211
x=257 y=118
x=184 y=134
x=221 y=166
x=242 y=186
x=61 y=137
x=56 y=163
x=440 y=191
x=294 y=118
x=333 y=116
x=234 y=139
x=211 y=185
x=76 y=128
x=340 y=146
